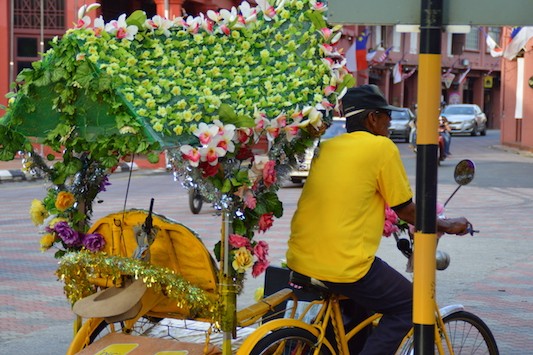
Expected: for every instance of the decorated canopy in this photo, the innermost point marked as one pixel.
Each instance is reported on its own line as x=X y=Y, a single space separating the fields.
x=206 y=88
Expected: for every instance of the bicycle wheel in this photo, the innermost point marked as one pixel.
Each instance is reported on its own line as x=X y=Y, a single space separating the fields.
x=195 y=201
x=468 y=335
x=287 y=341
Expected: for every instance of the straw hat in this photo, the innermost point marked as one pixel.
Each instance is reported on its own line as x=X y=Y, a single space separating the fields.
x=113 y=303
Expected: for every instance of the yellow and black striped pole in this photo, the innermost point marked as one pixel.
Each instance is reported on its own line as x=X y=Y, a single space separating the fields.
x=429 y=91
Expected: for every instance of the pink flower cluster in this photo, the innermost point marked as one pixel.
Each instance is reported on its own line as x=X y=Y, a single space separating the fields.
x=259 y=250
x=391 y=220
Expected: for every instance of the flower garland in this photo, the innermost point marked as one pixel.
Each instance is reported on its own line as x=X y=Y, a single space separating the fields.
x=76 y=270
x=63 y=215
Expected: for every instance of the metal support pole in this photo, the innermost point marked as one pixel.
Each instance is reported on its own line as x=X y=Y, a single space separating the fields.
x=227 y=289
x=429 y=91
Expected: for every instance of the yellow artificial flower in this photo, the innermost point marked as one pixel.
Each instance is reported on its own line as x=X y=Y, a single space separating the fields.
x=243 y=260
x=47 y=241
x=38 y=212
x=64 y=200
x=259 y=294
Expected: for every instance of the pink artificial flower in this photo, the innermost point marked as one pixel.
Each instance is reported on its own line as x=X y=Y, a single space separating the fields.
x=238 y=241
x=261 y=250
x=249 y=200
x=259 y=267
x=265 y=221
x=391 y=218
x=389 y=228
x=269 y=173
x=329 y=90
x=191 y=154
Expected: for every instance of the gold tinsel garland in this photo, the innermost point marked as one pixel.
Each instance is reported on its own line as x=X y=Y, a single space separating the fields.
x=76 y=270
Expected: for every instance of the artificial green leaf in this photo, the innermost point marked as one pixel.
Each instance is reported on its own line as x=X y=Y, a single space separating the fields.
x=137 y=18
x=153 y=158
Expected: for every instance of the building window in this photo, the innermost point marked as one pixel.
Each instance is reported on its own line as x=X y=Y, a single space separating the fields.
x=472 y=39
x=27 y=14
x=31 y=35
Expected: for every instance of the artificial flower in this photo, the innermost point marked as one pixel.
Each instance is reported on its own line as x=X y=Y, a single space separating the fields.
x=38 y=212
x=93 y=242
x=64 y=200
x=238 y=241
x=266 y=221
x=120 y=28
x=69 y=236
x=261 y=250
x=47 y=241
x=269 y=173
x=242 y=260
x=259 y=267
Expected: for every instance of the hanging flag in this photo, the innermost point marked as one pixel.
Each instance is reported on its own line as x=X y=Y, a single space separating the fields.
x=519 y=38
x=371 y=54
x=382 y=57
x=397 y=73
x=463 y=75
x=360 y=51
x=351 y=63
x=495 y=50
x=409 y=73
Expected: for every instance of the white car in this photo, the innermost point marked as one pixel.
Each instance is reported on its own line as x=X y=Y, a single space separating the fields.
x=466 y=118
x=299 y=174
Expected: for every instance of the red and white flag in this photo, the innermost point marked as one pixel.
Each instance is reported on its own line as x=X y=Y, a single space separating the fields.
x=397 y=73
x=409 y=73
x=495 y=50
x=463 y=75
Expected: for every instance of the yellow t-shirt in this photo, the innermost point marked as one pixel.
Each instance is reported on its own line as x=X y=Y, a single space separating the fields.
x=338 y=223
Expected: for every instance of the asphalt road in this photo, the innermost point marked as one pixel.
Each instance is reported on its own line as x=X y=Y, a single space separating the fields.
x=491 y=273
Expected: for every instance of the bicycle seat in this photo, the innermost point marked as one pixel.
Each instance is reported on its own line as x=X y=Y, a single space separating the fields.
x=301 y=281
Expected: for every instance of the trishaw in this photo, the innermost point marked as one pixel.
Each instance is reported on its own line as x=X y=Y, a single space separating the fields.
x=204 y=88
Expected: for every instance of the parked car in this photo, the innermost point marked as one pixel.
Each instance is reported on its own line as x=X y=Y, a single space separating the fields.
x=299 y=174
x=400 y=124
x=466 y=118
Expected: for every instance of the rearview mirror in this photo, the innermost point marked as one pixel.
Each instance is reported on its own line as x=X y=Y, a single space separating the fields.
x=464 y=172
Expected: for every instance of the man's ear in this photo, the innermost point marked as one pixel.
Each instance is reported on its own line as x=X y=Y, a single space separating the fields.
x=370 y=122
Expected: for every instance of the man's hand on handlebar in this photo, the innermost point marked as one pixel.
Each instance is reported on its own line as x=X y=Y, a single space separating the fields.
x=458 y=226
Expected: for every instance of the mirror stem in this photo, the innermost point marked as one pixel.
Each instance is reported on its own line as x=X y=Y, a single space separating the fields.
x=449 y=198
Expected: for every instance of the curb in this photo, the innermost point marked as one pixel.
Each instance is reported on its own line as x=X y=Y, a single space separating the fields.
x=8 y=175
x=508 y=149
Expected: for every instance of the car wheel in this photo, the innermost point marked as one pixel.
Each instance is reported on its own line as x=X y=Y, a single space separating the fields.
x=296 y=180
x=474 y=131
x=484 y=131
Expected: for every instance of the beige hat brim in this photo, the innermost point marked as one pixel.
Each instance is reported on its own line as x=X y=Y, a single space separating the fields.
x=112 y=301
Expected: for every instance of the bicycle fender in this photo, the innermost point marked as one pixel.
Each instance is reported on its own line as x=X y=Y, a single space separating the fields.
x=272 y=325
x=447 y=310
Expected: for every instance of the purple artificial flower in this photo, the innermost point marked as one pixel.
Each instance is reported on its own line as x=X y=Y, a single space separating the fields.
x=105 y=182
x=94 y=242
x=69 y=236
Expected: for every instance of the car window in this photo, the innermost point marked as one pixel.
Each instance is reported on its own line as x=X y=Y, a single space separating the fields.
x=399 y=115
x=454 y=110
x=336 y=128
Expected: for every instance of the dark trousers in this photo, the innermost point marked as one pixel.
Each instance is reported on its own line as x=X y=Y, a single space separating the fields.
x=383 y=290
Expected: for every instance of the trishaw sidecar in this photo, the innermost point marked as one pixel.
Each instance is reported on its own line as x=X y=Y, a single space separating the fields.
x=176 y=252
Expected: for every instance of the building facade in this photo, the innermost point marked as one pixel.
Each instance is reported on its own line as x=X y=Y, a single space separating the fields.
x=517 y=94
x=469 y=73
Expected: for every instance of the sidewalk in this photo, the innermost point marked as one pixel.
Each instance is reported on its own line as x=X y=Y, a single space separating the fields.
x=13 y=170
